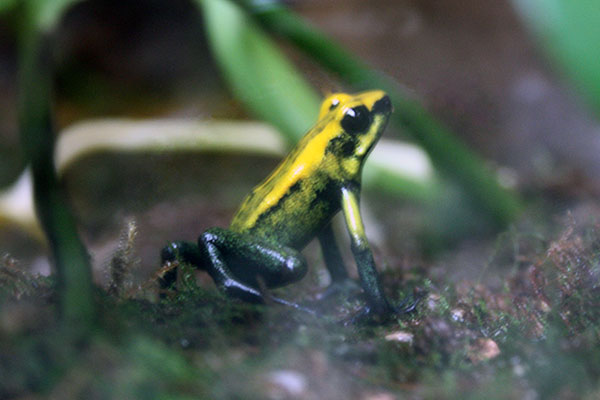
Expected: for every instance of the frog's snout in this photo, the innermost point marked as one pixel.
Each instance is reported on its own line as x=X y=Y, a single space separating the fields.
x=383 y=105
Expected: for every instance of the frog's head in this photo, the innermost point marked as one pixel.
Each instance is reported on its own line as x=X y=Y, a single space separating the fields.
x=355 y=123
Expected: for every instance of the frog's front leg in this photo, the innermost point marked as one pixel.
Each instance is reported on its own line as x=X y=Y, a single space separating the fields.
x=331 y=255
x=377 y=303
x=340 y=281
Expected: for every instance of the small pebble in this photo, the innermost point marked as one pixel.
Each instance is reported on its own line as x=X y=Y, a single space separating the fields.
x=286 y=383
x=432 y=301
x=400 y=336
x=458 y=314
x=380 y=396
x=483 y=349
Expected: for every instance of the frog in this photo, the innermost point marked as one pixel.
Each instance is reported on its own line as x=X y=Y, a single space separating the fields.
x=320 y=177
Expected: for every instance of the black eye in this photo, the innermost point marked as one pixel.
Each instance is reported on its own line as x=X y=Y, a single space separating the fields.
x=356 y=120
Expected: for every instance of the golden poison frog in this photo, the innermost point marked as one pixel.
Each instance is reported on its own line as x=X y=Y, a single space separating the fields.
x=321 y=176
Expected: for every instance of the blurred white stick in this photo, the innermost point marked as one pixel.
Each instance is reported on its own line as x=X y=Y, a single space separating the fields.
x=406 y=162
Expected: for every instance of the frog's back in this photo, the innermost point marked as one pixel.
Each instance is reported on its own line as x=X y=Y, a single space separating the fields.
x=296 y=200
x=301 y=195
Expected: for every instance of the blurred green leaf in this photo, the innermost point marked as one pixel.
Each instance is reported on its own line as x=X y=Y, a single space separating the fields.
x=275 y=91
x=44 y=14
x=36 y=129
x=569 y=31
x=259 y=75
x=450 y=156
x=7 y=5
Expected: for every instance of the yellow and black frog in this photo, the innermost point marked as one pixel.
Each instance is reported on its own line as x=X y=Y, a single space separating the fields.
x=320 y=177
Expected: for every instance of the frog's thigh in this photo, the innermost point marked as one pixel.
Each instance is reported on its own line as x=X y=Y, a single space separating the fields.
x=249 y=258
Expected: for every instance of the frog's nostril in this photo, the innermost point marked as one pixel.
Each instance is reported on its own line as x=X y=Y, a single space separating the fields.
x=383 y=105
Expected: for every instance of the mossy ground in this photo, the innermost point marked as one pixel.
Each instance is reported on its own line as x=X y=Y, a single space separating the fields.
x=534 y=336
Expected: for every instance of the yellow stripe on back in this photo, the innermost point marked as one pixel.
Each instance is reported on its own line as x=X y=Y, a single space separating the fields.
x=303 y=161
x=299 y=164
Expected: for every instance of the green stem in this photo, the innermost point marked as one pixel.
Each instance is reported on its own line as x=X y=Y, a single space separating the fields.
x=449 y=155
x=74 y=279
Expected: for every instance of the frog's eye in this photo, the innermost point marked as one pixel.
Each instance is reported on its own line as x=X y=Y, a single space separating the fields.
x=356 y=119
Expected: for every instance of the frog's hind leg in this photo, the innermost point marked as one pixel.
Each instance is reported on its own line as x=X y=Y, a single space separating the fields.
x=253 y=260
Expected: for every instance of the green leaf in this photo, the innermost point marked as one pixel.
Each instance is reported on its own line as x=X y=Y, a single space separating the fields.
x=45 y=14
x=259 y=75
x=71 y=261
x=6 y=5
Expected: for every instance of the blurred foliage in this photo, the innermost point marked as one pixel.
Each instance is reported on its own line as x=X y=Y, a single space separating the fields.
x=8 y=4
x=271 y=87
x=453 y=159
x=258 y=73
x=570 y=32
x=36 y=131
x=44 y=14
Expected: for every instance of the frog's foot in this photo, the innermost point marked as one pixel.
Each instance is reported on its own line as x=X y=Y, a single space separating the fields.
x=371 y=315
x=409 y=304
x=346 y=286
x=239 y=290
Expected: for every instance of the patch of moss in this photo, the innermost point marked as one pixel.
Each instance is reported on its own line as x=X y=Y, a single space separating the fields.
x=536 y=335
